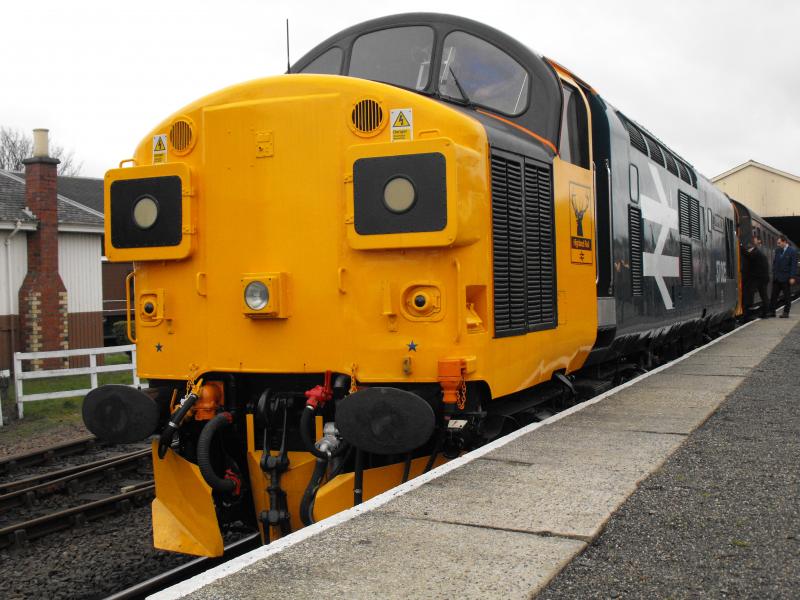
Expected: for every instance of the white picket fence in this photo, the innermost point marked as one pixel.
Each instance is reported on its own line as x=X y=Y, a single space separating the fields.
x=92 y=370
x=5 y=375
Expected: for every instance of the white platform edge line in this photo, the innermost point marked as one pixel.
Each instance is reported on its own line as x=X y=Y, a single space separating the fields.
x=193 y=584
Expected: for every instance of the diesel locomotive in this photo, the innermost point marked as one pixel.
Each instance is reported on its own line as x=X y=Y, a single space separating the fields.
x=420 y=237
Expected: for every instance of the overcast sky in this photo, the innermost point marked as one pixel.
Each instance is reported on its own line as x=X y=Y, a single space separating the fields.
x=717 y=81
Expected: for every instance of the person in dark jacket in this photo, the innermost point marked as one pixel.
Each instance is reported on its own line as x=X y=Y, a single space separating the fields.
x=758 y=274
x=784 y=268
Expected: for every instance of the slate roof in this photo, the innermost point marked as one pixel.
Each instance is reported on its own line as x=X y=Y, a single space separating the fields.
x=80 y=200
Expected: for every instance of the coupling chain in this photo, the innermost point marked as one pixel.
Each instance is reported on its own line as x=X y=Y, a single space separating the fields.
x=461 y=394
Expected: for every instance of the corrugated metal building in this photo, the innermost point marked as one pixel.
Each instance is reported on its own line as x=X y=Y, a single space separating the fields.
x=772 y=193
x=80 y=231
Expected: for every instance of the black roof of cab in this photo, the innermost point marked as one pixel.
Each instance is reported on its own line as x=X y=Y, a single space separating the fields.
x=542 y=114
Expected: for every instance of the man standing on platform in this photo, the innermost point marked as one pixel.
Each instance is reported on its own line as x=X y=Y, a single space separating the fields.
x=784 y=268
x=758 y=273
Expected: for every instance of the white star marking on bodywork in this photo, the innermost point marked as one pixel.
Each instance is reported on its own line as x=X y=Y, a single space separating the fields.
x=657 y=264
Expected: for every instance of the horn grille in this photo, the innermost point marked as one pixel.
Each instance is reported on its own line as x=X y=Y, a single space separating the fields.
x=181 y=135
x=368 y=118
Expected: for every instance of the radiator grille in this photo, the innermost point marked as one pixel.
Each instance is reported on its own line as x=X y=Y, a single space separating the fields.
x=523 y=252
x=635 y=240
x=687 y=276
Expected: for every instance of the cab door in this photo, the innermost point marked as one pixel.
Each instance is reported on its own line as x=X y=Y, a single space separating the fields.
x=575 y=214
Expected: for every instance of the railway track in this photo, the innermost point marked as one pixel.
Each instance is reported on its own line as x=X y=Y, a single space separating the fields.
x=24 y=531
x=10 y=464
x=190 y=569
x=33 y=494
x=25 y=492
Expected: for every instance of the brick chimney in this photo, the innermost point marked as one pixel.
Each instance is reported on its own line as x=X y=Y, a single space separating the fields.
x=44 y=321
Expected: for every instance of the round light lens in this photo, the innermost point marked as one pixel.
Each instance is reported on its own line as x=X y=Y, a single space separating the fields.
x=256 y=295
x=145 y=212
x=399 y=195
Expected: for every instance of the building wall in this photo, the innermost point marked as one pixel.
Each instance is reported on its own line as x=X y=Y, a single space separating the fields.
x=769 y=194
x=19 y=267
x=9 y=311
x=79 y=264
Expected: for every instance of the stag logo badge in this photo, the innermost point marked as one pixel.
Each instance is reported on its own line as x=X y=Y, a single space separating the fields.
x=582 y=226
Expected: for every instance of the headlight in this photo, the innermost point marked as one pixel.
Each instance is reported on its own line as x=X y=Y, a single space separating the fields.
x=256 y=295
x=399 y=195
x=145 y=212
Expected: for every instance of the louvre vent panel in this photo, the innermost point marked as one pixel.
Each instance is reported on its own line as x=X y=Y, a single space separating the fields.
x=523 y=253
x=655 y=151
x=672 y=165
x=694 y=218
x=635 y=240
x=687 y=276
x=684 y=227
x=646 y=144
x=539 y=257
x=637 y=140
x=684 y=173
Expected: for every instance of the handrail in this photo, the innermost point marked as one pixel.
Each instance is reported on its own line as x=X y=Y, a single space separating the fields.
x=128 y=280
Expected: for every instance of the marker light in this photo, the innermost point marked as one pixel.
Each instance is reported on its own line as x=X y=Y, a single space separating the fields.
x=145 y=212
x=256 y=295
x=399 y=195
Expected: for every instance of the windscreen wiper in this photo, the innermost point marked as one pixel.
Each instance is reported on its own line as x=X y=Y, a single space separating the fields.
x=464 y=96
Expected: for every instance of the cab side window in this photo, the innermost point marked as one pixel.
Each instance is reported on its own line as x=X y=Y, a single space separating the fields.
x=329 y=63
x=574 y=143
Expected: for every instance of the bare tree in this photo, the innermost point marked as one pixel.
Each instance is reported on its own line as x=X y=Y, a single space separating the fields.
x=16 y=146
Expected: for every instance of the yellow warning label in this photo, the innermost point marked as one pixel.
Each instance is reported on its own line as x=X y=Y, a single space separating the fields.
x=401 y=121
x=159 y=148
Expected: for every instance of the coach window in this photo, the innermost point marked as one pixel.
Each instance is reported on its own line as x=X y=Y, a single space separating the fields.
x=574 y=143
x=399 y=56
x=328 y=63
x=476 y=73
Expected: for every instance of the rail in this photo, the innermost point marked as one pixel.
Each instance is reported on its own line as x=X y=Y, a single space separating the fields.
x=92 y=370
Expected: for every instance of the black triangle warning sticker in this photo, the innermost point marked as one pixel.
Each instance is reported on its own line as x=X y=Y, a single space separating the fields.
x=401 y=121
x=159 y=147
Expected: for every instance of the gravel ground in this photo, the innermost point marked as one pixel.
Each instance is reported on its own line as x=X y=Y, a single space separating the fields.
x=92 y=562
x=11 y=443
x=721 y=518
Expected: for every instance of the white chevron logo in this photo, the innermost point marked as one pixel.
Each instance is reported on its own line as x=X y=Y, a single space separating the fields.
x=657 y=264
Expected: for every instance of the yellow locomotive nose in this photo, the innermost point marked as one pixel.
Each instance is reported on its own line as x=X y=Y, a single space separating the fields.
x=308 y=217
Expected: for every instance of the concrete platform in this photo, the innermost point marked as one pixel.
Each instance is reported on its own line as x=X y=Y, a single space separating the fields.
x=503 y=520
